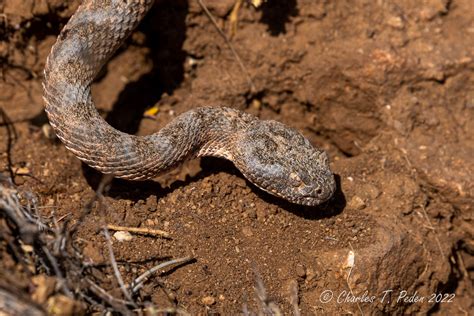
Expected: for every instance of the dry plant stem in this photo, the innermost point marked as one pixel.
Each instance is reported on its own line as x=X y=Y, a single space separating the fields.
x=117 y=304
x=62 y=281
x=348 y=284
x=105 y=181
x=163 y=311
x=245 y=310
x=431 y=227
x=139 y=230
x=11 y=136
x=234 y=17
x=266 y=305
x=229 y=44
x=294 y=297
x=138 y=282
x=118 y=276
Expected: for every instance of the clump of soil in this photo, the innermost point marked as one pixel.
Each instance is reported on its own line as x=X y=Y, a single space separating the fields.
x=385 y=87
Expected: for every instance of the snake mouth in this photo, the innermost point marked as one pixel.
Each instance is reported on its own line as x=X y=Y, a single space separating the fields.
x=310 y=201
x=322 y=195
x=305 y=200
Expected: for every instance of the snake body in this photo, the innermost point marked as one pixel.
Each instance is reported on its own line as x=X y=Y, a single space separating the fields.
x=274 y=157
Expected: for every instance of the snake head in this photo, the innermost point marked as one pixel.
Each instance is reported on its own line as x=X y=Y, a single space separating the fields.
x=281 y=161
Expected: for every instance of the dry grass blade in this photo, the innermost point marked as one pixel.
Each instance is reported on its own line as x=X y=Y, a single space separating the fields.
x=152 y=310
x=138 y=282
x=118 y=276
x=234 y=17
x=117 y=304
x=266 y=305
x=293 y=291
x=139 y=230
x=11 y=137
x=229 y=44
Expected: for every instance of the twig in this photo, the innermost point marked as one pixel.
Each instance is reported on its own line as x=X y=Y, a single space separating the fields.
x=267 y=305
x=62 y=281
x=294 y=297
x=462 y=266
x=118 y=276
x=234 y=17
x=139 y=230
x=117 y=304
x=351 y=266
x=433 y=229
x=152 y=310
x=229 y=44
x=139 y=281
x=11 y=137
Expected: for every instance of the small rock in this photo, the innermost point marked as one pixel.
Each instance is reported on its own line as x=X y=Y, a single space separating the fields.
x=310 y=275
x=301 y=271
x=261 y=212
x=256 y=104
x=63 y=305
x=247 y=232
x=356 y=203
x=208 y=300
x=251 y=213
x=44 y=288
x=151 y=203
x=396 y=22
x=21 y=171
x=48 y=131
x=27 y=248
x=123 y=236
x=435 y=74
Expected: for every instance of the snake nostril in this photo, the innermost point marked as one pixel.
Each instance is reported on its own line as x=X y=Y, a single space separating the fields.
x=319 y=191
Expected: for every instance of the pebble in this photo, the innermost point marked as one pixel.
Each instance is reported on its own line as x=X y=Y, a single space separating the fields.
x=123 y=236
x=44 y=287
x=208 y=300
x=251 y=213
x=151 y=203
x=356 y=203
x=48 y=131
x=301 y=271
x=396 y=22
x=63 y=305
x=247 y=232
x=21 y=171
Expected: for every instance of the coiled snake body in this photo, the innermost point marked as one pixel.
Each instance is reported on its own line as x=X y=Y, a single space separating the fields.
x=271 y=155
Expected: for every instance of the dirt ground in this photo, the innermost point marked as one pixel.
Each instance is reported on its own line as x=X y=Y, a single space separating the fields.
x=386 y=87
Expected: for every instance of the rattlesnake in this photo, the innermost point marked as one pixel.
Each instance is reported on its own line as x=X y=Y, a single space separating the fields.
x=274 y=157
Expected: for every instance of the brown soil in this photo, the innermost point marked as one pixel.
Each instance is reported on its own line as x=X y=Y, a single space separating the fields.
x=386 y=87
